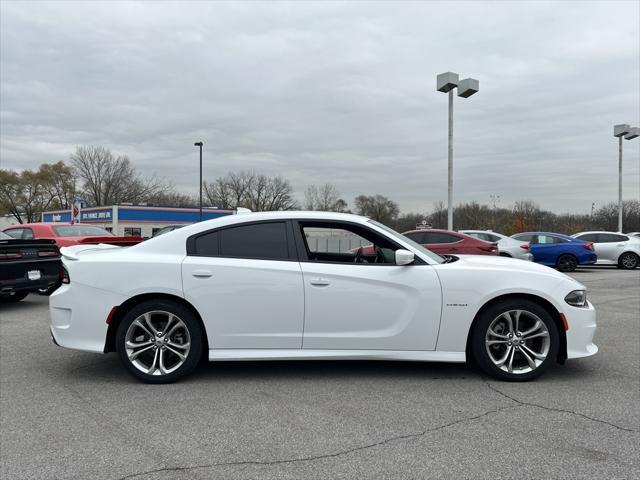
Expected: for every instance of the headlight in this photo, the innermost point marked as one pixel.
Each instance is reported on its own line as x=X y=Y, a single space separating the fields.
x=577 y=298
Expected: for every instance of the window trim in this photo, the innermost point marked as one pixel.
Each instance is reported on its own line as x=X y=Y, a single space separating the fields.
x=303 y=252
x=291 y=251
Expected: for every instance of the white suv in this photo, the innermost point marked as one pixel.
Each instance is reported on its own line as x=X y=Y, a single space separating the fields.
x=613 y=248
x=507 y=246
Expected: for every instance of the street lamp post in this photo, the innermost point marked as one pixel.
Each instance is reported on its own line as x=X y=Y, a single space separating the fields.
x=446 y=82
x=622 y=131
x=199 y=144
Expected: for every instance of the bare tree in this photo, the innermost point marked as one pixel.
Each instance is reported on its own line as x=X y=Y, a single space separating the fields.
x=377 y=207
x=324 y=198
x=250 y=190
x=108 y=180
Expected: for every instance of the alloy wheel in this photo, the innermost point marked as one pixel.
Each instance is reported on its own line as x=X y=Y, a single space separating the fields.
x=517 y=341
x=157 y=342
x=629 y=261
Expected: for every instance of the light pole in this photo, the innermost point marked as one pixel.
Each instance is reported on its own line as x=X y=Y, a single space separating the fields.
x=446 y=82
x=199 y=144
x=629 y=133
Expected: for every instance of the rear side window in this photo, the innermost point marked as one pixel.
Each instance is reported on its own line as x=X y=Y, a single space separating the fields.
x=265 y=241
x=20 y=233
x=437 y=237
x=526 y=238
x=611 y=238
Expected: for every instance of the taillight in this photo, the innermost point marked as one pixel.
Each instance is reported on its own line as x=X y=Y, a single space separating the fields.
x=525 y=246
x=47 y=253
x=588 y=246
x=64 y=276
x=10 y=255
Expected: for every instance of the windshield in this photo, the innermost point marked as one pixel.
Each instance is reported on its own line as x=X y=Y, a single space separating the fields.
x=81 y=231
x=436 y=258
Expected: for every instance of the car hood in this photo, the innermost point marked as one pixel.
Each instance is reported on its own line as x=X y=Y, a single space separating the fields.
x=505 y=264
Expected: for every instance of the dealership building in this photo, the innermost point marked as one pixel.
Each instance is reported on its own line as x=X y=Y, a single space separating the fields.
x=136 y=220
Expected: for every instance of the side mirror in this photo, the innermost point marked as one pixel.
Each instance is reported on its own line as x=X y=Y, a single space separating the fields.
x=404 y=257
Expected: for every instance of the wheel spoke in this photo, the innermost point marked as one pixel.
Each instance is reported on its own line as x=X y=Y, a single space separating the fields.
x=494 y=342
x=510 y=366
x=516 y=318
x=135 y=354
x=530 y=360
x=131 y=344
x=184 y=346
x=180 y=355
x=536 y=335
x=138 y=323
x=147 y=319
x=173 y=329
x=535 y=355
x=507 y=317
x=153 y=366
x=537 y=326
x=169 y=321
x=500 y=362
x=163 y=369
x=493 y=333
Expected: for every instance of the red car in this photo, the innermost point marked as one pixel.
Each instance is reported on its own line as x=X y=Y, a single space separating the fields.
x=67 y=234
x=448 y=242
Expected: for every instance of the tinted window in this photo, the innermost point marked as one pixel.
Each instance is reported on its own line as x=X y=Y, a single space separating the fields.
x=207 y=244
x=262 y=240
x=437 y=237
x=588 y=237
x=611 y=238
x=526 y=238
x=15 y=232
x=417 y=237
x=80 y=231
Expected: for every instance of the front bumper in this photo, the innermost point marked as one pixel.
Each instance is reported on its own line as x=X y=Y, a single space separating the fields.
x=582 y=327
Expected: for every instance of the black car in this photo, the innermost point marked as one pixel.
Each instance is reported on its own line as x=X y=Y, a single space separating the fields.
x=28 y=266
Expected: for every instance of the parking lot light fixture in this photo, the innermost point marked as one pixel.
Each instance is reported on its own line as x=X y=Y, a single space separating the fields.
x=446 y=83
x=199 y=144
x=621 y=131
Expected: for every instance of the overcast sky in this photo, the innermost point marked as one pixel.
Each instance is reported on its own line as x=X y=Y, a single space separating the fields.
x=333 y=92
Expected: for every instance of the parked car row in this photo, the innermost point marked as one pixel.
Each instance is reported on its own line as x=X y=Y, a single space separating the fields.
x=30 y=258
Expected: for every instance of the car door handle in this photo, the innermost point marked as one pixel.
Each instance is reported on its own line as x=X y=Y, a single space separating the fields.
x=201 y=273
x=319 y=282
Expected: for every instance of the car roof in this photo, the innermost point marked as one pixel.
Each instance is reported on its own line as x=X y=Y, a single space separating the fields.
x=437 y=230
x=551 y=234
x=601 y=231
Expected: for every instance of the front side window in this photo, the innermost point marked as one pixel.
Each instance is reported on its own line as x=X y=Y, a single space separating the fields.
x=346 y=243
x=548 y=239
x=527 y=238
x=15 y=232
x=133 y=232
x=418 y=237
x=588 y=237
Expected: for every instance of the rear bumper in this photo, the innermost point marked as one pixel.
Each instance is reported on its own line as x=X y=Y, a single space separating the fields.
x=582 y=327
x=589 y=259
x=78 y=317
x=25 y=285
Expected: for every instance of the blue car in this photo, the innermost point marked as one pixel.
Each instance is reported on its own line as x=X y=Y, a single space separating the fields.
x=557 y=250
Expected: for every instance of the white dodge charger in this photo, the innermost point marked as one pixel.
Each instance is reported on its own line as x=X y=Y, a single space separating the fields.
x=300 y=285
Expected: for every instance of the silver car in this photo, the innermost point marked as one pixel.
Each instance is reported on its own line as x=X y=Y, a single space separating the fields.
x=507 y=246
x=613 y=248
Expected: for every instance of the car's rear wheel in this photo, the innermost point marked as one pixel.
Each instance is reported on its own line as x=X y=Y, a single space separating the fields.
x=159 y=341
x=515 y=340
x=628 y=261
x=567 y=263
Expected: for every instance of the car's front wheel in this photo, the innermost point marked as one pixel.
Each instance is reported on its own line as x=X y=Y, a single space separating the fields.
x=628 y=261
x=515 y=340
x=159 y=341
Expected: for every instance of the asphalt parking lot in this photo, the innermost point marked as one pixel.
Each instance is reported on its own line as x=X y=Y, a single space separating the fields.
x=67 y=414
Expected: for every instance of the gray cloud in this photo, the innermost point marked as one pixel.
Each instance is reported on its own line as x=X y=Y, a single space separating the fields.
x=333 y=92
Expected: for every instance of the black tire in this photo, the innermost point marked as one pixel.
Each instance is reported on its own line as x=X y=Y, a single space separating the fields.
x=14 y=297
x=628 y=261
x=566 y=263
x=190 y=332
x=502 y=254
x=521 y=371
